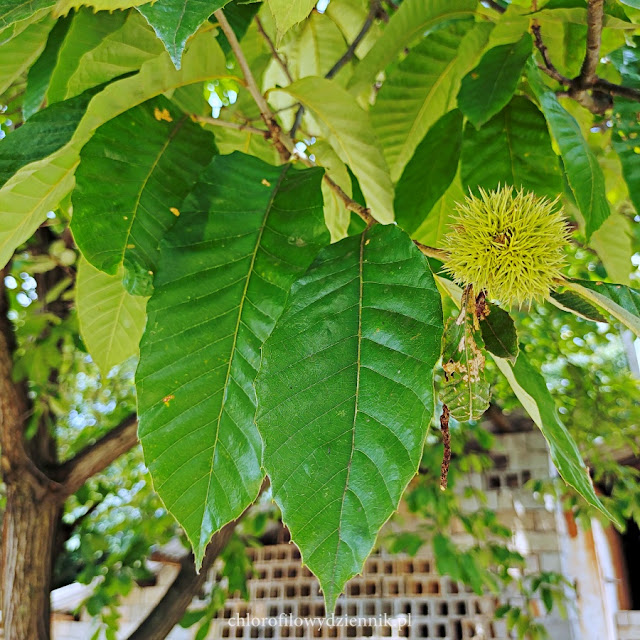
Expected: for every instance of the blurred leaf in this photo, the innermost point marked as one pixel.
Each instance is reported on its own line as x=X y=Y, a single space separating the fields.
x=423 y=87
x=429 y=172
x=154 y=153
x=530 y=388
x=349 y=131
x=490 y=86
x=40 y=73
x=408 y=23
x=581 y=165
x=514 y=149
x=622 y=302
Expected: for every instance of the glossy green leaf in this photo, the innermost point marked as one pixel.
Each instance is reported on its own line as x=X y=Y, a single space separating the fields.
x=409 y=22
x=247 y=231
x=622 y=302
x=423 y=87
x=499 y=333
x=86 y=32
x=289 y=12
x=576 y=304
x=490 y=86
x=45 y=133
x=626 y=141
x=465 y=389
x=111 y=319
x=346 y=396
x=22 y=50
x=37 y=188
x=154 y=154
x=348 y=129
x=581 y=165
x=513 y=148
x=175 y=21
x=530 y=388
x=632 y=3
x=430 y=172
x=40 y=73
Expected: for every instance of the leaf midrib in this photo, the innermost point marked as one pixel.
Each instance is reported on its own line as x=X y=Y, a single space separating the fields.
x=355 y=412
x=236 y=332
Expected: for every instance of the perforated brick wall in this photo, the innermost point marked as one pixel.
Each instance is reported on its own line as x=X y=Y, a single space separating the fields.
x=397 y=585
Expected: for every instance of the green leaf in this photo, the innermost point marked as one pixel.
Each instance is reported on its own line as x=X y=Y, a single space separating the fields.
x=499 y=333
x=12 y=11
x=530 y=388
x=613 y=243
x=513 y=148
x=581 y=165
x=423 y=87
x=37 y=188
x=490 y=86
x=289 y=12
x=119 y=52
x=22 y=50
x=349 y=16
x=430 y=172
x=465 y=390
x=40 y=73
x=349 y=131
x=111 y=320
x=64 y=6
x=622 y=302
x=248 y=230
x=576 y=304
x=346 y=397
x=407 y=24
x=87 y=31
x=632 y=3
x=436 y=224
x=175 y=21
x=336 y=215
x=626 y=141
x=154 y=154
x=45 y=133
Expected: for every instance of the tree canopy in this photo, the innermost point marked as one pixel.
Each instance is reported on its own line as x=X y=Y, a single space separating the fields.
x=295 y=216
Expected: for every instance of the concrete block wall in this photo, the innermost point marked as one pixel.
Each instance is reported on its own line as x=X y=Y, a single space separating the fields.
x=399 y=585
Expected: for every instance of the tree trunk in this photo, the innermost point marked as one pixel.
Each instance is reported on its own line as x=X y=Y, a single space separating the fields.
x=30 y=522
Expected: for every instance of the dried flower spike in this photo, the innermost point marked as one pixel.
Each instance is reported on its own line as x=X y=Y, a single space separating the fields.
x=509 y=244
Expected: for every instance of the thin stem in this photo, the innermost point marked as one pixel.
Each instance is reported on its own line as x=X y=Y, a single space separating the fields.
x=231 y=125
x=494 y=5
x=549 y=67
x=282 y=143
x=274 y=52
x=374 y=11
x=446 y=441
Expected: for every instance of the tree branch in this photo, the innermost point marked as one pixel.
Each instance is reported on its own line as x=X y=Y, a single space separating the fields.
x=274 y=52
x=169 y=611
x=283 y=145
x=592 y=92
x=595 y=16
x=374 y=12
x=96 y=457
x=494 y=5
